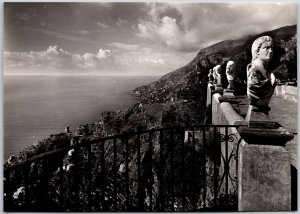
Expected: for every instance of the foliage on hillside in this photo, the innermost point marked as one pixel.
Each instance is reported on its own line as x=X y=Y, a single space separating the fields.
x=283 y=64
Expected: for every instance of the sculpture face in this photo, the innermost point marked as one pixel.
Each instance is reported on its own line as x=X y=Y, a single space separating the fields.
x=229 y=67
x=230 y=74
x=262 y=44
x=265 y=53
x=260 y=86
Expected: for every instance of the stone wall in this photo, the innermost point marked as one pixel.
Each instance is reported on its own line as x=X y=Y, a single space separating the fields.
x=287 y=92
x=263 y=171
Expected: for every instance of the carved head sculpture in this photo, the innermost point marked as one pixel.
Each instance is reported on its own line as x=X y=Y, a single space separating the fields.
x=230 y=74
x=262 y=48
x=218 y=73
x=260 y=82
x=210 y=75
x=218 y=70
x=229 y=67
x=214 y=74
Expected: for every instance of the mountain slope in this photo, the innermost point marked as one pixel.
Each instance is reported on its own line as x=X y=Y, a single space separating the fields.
x=192 y=75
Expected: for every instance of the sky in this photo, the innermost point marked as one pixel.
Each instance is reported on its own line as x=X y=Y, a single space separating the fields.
x=135 y=38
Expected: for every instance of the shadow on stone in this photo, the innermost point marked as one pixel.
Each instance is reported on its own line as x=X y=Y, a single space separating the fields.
x=294 y=188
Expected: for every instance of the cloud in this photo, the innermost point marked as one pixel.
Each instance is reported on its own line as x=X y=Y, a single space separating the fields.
x=120 y=22
x=100 y=60
x=23 y=16
x=84 y=32
x=52 y=57
x=102 y=25
x=127 y=59
x=196 y=25
x=57 y=59
x=124 y=46
x=64 y=36
x=168 y=33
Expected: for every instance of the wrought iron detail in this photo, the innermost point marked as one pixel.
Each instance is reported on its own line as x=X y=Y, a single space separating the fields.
x=165 y=169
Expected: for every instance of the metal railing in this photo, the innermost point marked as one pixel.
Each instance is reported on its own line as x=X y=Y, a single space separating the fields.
x=169 y=169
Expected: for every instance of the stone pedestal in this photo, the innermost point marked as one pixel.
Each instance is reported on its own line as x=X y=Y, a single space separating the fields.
x=264 y=169
x=217 y=89
x=210 y=88
x=264 y=178
x=229 y=97
x=258 y=119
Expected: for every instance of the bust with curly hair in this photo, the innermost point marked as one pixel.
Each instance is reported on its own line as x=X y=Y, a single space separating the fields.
x=260 y=81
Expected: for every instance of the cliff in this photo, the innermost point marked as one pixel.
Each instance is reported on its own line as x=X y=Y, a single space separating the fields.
x=283 y=64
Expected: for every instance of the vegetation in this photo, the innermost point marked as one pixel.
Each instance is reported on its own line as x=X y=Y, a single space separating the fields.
x=177 y=99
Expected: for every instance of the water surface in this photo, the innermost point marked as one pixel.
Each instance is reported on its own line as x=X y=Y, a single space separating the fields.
x=37 y=106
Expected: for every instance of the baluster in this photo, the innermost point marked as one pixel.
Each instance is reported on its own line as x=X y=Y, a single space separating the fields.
x=193 y=171
x=215 y=167
x=44 y=184
x=204 y=167
x=7 y=191
x=89 y=174
x=172 y=172
x=76 y=182
x=103 y=171
x=151 y=174
x=115 y=173
x=127 y=175
x=226 y=165
x=26 y=185
x=161 y=184
x=61 y=184
x=140 y=189
x=183 y=170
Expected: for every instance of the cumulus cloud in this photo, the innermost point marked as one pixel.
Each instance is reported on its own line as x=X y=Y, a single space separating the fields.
x=99 y=60
x=168 y=32
x=128 y=58
x=202 y=24
x=53 y=57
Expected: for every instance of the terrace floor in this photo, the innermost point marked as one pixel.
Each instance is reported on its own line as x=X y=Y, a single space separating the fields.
x=284 y=111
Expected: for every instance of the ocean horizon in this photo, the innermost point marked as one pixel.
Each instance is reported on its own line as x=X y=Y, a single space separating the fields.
x=36 y=106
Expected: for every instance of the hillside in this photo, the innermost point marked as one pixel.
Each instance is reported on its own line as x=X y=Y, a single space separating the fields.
x=283 y=64
x=176 y=99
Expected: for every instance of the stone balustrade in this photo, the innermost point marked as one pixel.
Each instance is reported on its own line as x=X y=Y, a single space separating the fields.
x=264 y=163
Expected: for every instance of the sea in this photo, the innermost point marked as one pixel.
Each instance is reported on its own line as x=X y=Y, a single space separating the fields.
x=37 y=106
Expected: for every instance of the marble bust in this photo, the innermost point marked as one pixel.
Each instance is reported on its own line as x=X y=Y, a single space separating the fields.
x=230 y=74
x=218 y=74
x=260 y=81
x=210 y=75
x=214 y=74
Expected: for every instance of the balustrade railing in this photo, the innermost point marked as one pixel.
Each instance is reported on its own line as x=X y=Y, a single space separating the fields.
x=169 y=169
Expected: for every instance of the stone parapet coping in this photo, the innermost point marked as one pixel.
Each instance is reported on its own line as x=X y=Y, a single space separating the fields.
x=264 y=172
x=287 y=92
